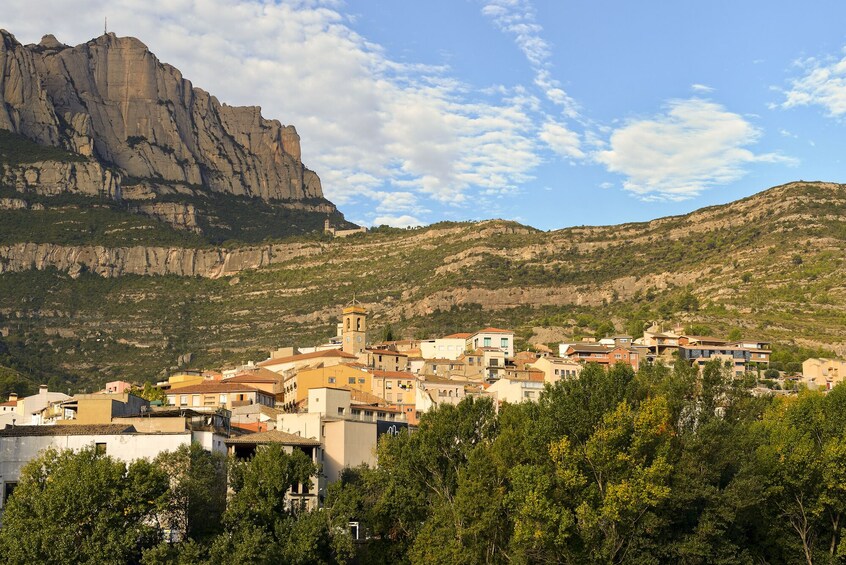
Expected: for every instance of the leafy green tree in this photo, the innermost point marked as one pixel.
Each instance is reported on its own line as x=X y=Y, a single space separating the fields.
x=150 y=392
x=803 y=462
x=263 y=526
x=197 y=497
x=81 y=507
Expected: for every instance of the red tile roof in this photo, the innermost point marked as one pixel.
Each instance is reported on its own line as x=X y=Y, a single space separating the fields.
x=460 y=335
x=214 y=387
x=306 y=356
x=493 y=331
x=387 y=352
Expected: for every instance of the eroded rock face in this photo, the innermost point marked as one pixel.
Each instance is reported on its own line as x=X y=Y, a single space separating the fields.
x=49 y=178
x=112 y=99
x=141 y=260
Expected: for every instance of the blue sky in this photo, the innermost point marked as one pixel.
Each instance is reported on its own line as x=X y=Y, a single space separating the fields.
x=553 y=113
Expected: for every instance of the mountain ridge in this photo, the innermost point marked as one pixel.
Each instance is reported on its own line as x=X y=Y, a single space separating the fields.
x=137 y=130
x=770 y=265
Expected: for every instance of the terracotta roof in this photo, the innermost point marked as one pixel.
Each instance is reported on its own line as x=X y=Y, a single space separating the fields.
x=271 y=436
x=393 y=374
x=9 y=403
x=440 y=380
x=460 y=335
x=306 y=356
x=67 y=430
x=387 y=352
x=585 y=348
x=257 y=376
x=214 y=387
x=361 y=397
x=251 y=426
x=493 y=331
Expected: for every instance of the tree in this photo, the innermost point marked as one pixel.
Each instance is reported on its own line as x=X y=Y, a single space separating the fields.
x=261 y=524
x=81 y=507
x=197 y=497
x=803 y=463
x=150 y=392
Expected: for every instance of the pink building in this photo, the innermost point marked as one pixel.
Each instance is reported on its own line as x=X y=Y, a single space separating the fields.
x=118 y=387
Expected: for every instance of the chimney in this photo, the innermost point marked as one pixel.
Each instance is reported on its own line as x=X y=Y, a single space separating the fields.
x=42 y=389
x=13 y=397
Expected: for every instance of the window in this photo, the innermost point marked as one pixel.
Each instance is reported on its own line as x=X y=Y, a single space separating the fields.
x=183 y=400
x=399 y=399
x=100 y=448
x=222 y=399
x=389 y=385
x=331 y=380
x=487 y=342
x=469 y=360
x=351 y=380
x=618 y=356
x=340 y=410
x=195 y=400
x=389 y=397
x=361 y=381
x=494 y=362
x=503 y=343
x=8 y=489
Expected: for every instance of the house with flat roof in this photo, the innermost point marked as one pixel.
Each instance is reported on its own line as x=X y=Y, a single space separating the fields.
x=493 y=338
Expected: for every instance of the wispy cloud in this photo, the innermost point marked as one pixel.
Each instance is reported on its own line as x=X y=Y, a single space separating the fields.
x=517 y=18
x=702 y=88
x=822 y=83
x=692 y=146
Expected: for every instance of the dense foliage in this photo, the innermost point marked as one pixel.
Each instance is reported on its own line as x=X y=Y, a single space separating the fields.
x=663 y=466
x=616 y=467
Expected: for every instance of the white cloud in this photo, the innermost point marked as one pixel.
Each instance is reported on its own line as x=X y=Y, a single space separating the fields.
x=693 y=146
x=404 y=221
x=561 y=140
x=822 y=84
x=395 y=133
x=517 y=18
x=701 y=88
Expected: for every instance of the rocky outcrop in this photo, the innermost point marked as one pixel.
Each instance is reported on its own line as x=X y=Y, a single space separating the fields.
x=178 y=215
x=112 y=99
x=118 y=261
x=50 y=178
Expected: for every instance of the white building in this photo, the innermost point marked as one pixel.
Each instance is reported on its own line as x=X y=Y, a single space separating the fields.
x=494 y=338
x=346 y=432
x=31 y=409
x=20 y=444
x=515 y=391
x=443 y=348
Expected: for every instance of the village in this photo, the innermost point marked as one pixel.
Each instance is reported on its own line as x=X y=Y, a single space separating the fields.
x=334 y=401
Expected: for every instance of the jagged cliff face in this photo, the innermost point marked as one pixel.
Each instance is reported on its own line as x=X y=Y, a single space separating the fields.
x=113 y=100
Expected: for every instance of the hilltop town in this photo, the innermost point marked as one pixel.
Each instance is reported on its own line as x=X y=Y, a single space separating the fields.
x=335 y=400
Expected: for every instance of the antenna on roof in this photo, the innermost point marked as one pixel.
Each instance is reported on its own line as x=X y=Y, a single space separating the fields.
x=106 y=25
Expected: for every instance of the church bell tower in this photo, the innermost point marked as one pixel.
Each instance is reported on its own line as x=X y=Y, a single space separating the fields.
x=354 y=332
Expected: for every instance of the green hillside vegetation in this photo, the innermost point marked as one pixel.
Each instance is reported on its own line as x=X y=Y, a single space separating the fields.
x=768 y=267
x=16 y=150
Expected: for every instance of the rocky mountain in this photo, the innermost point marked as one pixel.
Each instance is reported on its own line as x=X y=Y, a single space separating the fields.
x=134 y=129
x=120 y=298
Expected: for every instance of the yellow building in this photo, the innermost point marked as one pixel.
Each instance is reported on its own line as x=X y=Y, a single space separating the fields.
x=823 y=374
x=345 y=375
x=184 y=379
